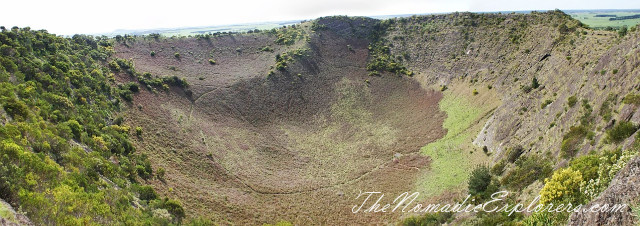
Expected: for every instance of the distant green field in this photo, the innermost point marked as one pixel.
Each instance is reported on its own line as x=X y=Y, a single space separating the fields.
x=590 y=18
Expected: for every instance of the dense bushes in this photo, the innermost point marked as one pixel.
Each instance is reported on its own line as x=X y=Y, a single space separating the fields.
x=605 y=109
x=282 y=60
x=563 y=187
x=585 y=178
x=621 y=131
x=631 y=98
x=381 y=58
x=482 y=184
x=63 y=90
x=288 y=36
x=147 y=193
x=528 y=169
x=572 y=140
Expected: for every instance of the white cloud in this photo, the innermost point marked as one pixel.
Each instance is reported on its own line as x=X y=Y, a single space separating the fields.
x=75 y=16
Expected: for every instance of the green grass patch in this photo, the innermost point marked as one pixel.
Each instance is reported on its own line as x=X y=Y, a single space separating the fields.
x=590 y=18
x=452 y=160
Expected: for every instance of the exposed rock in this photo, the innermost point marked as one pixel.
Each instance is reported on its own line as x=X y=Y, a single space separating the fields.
x=622 y=190
x=12 y=218
x=626 y=113
x=635 y=118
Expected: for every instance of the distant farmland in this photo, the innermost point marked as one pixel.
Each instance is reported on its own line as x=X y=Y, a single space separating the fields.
x=606 y=18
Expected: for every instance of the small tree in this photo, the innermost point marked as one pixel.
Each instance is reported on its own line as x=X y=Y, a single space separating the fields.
x=623 y=31
x=147 y=193
x=479 y=180
x=534 y=83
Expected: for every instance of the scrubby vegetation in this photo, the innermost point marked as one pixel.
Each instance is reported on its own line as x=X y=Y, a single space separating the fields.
x=621 y=131
x=572 y=100
x=381 y=58
x=527 y=170
x=282 y=60
x=66 y=156
x=631 y=98
x=288 y=35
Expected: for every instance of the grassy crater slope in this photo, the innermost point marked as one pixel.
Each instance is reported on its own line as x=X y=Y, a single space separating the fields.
x=291 y=132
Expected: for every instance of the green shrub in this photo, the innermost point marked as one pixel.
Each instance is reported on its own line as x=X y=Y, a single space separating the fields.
x=139 y=131
x=528 y=169
x=621 y=131
x=211 y=61
x=133 y=87
x=474 y=92
x=266 y=49
x=153 y=53
x=175 y=208
x=631 y=98
x=615 y=71
x=479 y=180
x=146 y=192
x=572 y=140
x=75 y=127
x=534 y=83
x=498 y=168
x=610 y=162
x=17 y=109
x=545 y=103
x=160 y=173
x=622 y=31
x=587 y=165
x=176 y=55
x=572 y=100
x=605 y=108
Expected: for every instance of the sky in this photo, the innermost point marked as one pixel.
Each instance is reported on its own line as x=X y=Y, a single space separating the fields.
x=68 y=17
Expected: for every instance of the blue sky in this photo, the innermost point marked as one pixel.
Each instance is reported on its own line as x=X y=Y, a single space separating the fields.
x=68 y=17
